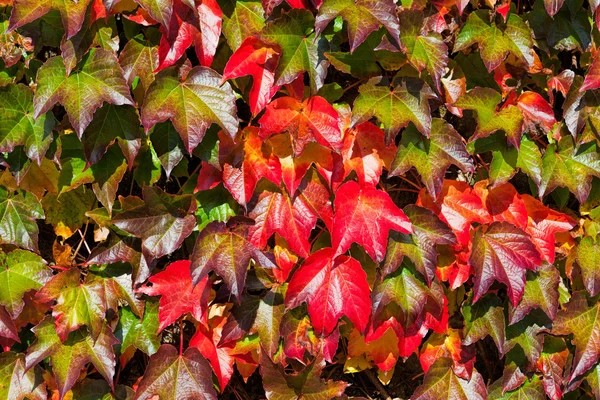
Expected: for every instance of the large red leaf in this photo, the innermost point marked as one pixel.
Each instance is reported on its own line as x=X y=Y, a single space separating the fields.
x=365 y=215
x=332 y=287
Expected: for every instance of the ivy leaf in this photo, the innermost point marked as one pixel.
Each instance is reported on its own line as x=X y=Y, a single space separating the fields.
x=228 y=253
x=306 y=384
x=8 y=329
x=18 y=219
x=178 y=295
x=72 y=13
x=17 y=125
x=431 y=156
x=503 y=203
x=424 y=51
x=136 y=333
x=268 y=319
x=159 y=10
x=484 y=318
x=168 y=146
x=484 y=101
x=313 y=120
x=493 y=43
x=503 y=252
x=420 y=246
x=360 y=210
x=256 y=163
x=587 y=252
x=536 y=112
x=395 y=104
x=70 y=357
x=117 y=285
x=139 y=59
x=568 y=166
x=358 y=63
x=527 y=333
x=77 y=304
x=301 y=50
x=170 y=375
x=293 y=220
x=17 y=383
x=531 y=389
x=322 y=279
x=162 y=221
x=541 y=291
x=592 y=78
x=246 y=20
x=362 y=17
x=581 y=319
x=442 y=383
x=20 y=272
x=98 y=79
x=260 y=60
x=192 y=104
x=552 y=363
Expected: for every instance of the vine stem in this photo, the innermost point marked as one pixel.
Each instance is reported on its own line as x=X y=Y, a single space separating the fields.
x=181 y=337
x=378 y=385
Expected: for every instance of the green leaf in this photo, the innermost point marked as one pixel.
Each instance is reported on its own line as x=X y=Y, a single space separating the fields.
x=137 y=333
x=302 y=51
x=541 y=291
x=441 y=383
x=168 y=146
x=192 y=104
x=18 y=214
x=484 y=318
x=494 y=44
x=587 y=255
x=72 y=13
x=360 y=62
x=67 y=212
x=70 y=357
x=98 y=79
x=530 y=390
x=139 y=59
x=568 y=166
x=246 y=19
x=395 y=104
x=268 y=319
x=18 y=384
x=431 y=156
x=17 y=125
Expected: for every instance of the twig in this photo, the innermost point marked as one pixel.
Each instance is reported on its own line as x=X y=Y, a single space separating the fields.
x=354 y=85
x=83 y=238
x=81 y=242
x=378 y=385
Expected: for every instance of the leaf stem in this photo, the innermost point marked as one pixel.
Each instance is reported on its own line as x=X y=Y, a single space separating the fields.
x=384 y=394
x=181 y=336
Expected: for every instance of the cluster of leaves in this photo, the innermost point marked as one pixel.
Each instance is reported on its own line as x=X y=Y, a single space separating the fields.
x=276 y=199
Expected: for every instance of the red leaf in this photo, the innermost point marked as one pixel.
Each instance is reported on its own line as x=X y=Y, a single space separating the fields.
x=365 y=216
x=503 y=203
x=314 y=120
x=332 y=287
x=292 y=220
x=178 y=295
x=536 y=112
x=258 y=59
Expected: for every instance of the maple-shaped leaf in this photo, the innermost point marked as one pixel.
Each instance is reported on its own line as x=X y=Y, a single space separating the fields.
x=570 y=166
x=587 y=253
x=139 y=333
x=127 y=250
x=484 y=318
x=449 y=345
x=541 y=291
x=243 y=21
x=301 y=50
x=139 y=59
x=484 y=101
x=503 y=252
x=365 y=215
x=16 y=383
x=227 y=252
x=77 y=303
x=365 y=152
x=293 y=220
x=17 y=125
x=69 y=357
x=171 y=376
x=552 y=363
x=362 y=17
x=162 y=221
x=442 y=383
x=536 y=112
x=260 y=60
x=72 y=13
x=424 y=50
x=305 y=384
x=112 y=124
x=98 y=79
x=313 y=120
x=241 y=174
x=527 y=333
x=431 y=156
x=161 y=10
x=192 y=103
x=543 y=223
x=581 y=318
x=178 y=295
x=199 y=25
x=269 y=314
x=531 y=390
x=395 y=104
x=18 y=214
x=168 y=146
x=20 y=272
x=493 y=43
x=420 y=246
x=117 y=285
x=503 y=202
x=321 y=281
